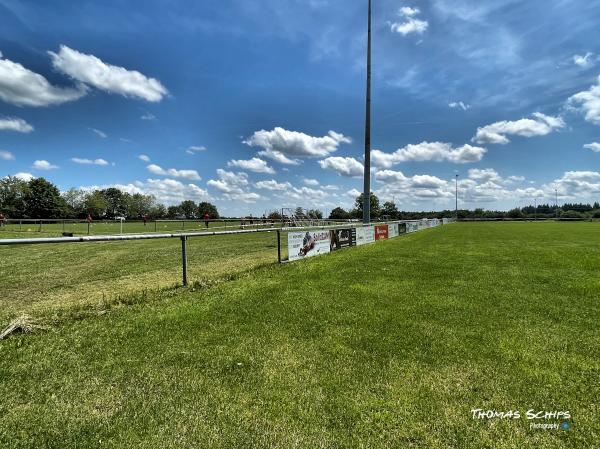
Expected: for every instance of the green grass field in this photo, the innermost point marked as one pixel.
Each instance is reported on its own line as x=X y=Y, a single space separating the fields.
x=386 y=345
x=53 y=280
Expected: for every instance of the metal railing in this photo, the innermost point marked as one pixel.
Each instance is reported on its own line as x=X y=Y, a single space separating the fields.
x=69 y=225
x=113 y=238
x=185 y=236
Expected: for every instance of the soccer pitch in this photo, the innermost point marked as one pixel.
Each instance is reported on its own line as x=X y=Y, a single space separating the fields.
x=29 y=229
x=386 y=345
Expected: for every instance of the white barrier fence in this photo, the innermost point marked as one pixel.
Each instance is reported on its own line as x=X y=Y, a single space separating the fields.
x=314 y=242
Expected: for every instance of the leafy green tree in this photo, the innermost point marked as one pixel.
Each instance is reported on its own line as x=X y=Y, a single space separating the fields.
x=339 y=214
x=12 y=196
x=95 y=204
x=188 y=208
x=116 y=202
x=139 y=205
x=389 y=209
x=43 y=200
x=571 y=214
x=208 y=208
x=75 y=202
x=515 y=213
x=358 y=206
x=157 y=212
x=275 y=215
x=315 y=214
x=174 y=212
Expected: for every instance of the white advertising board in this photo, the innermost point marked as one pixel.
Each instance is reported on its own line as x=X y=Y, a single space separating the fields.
x=308 y=244
x=392 y=230
x=365 y=235
x=412 y=226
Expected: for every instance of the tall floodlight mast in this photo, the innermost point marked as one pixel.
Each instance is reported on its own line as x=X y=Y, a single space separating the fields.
x=367 y=173
x=456 y=198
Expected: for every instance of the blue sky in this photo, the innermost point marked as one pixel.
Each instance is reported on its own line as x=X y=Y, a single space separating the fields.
x=259 y=105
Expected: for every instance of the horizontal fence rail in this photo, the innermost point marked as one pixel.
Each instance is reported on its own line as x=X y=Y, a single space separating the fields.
x=355 y=234
x=113 y=238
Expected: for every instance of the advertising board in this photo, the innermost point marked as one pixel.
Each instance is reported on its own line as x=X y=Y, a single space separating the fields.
x=365 y=235
x=381 y=232
x=412 y=226
x=341 y=238
x=393 y=230
x=308 y=244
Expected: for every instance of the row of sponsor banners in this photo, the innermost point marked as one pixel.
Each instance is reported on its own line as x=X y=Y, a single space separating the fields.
x=316 y=242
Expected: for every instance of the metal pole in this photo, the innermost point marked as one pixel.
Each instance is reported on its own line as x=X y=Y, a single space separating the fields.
x=367 y=173
x=279 y=246
x=184 y=259
x=556 y=192
x=456 y=197
x=155 y=225
x=535 y=209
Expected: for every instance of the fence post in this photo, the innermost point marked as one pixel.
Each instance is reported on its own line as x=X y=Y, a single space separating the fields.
x=88 y=223
x=184 y=259
x=279 y=246
x=182 y=224
x=155 y=222
x=40 y=225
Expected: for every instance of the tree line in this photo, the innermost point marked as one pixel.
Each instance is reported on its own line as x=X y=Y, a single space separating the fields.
x=389 y=211
x=39 y=198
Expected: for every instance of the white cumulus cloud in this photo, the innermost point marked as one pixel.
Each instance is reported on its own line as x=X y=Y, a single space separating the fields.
x=6 y=155
x=576 y=185
x=410 y=23
x=234 y=186
x=283 y=146
x=186 y=174
x=273 y=185
x=22 y=87
x=594 y=146
x=84 y=161
x=15 y=124
x=428 y=151
x=584 y=60
x=588 y=103
x=481 y=186
x=94 y=72
x=459 y=105
x=143 y=157
x=539 y=125
x=255 y=165
x=24 y=176
x=344 y=166
x=311 y=182
x=44 y=165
